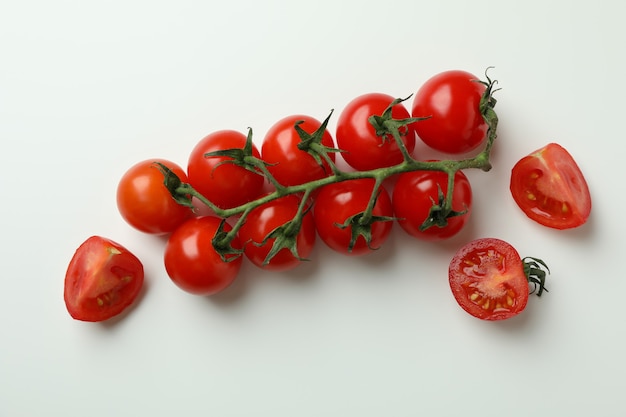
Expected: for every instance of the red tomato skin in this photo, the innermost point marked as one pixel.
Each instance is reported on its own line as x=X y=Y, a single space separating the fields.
x=413 y=196
x=550 y=188
x=267 y=217
x=336 y=202
x=226 y=185
x=492 y=270
x=191 y=261
x=362 y=149
x=451 y=99
x=145 y=203
x=102 y=280
x=288 y=164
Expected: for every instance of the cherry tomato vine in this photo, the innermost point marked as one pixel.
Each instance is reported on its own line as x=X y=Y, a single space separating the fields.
x=387 y=128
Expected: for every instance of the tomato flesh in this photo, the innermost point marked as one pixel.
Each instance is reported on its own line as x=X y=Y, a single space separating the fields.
x=487 y=279
x=550 y=188
x=102 y=280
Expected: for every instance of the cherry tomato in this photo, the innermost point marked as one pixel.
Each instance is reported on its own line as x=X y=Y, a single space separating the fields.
x=287 y=163
x=225 y=184
x=487 y=279
x=550 y=188
x=337 y=202
x=192 y=262
x=144 y=201
x=102 y=280
x=263 y=220
x=362 y=149
x=414 y=194
x=451 y=101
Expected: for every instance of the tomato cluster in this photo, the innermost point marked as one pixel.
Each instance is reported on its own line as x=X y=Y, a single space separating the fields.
x=269 y=204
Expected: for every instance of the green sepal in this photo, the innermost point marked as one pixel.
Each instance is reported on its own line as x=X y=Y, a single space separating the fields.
x=358 y=228
x=438 y=215
x=240 y=157
x=536 y=270
x=385 y=124
x=222 y=244
x=285 y=236
x=312 y=142
x=173 y=185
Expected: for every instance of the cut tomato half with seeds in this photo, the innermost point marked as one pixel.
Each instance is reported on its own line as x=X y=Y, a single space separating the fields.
x=488 y=280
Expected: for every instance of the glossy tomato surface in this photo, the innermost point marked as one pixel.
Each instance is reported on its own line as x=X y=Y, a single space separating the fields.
x=361 y=147
x=223 y=183
x=287 y=163
x=414 y=193
x=191 y=261
x=550 y=188
x=145 y=203
x=337 y=202
x=451 y=101
x=266 y=218
x=487 y=279
x=102 y=280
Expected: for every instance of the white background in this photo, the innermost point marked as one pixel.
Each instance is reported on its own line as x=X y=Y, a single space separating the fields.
x=89 y=88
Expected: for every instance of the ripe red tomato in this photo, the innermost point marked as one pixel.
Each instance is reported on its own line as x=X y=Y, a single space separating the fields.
x=550 y=188
x=224 y=184
x=337 y=202
x=263 y=220
x=414 y=194
x=362 y=149
x=102 y=280
x=451 y=99
x=192 y=262
x=144 y=201
x=487 y=279
x=287 y=163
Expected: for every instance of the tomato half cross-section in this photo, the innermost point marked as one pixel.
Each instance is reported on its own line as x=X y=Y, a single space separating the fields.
x=487 y=279
x=550 y=188
x=102 y=280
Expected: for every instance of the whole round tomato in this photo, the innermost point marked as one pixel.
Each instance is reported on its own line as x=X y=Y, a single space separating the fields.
x=550 y=188
x=361 y=147
x=287 y=163
x=102 y=280
x=264 y=219
x=451 y=101
x=487 y=279
x=225 y=184
x=414 y=194
x=192 y=262
x=144 y=201
x=337 y=202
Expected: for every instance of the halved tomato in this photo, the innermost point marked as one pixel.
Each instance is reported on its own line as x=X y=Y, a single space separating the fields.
x=487 y=279
x=550 y=188
x=102 y=280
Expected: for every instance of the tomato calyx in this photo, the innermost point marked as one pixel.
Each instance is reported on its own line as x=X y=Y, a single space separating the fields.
x=312 y=144
x=440 y=212
x=389 y=128
x=175 y=186
x=222 y=243
x=361 y=226
x=536 y=270
x=486 y=107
